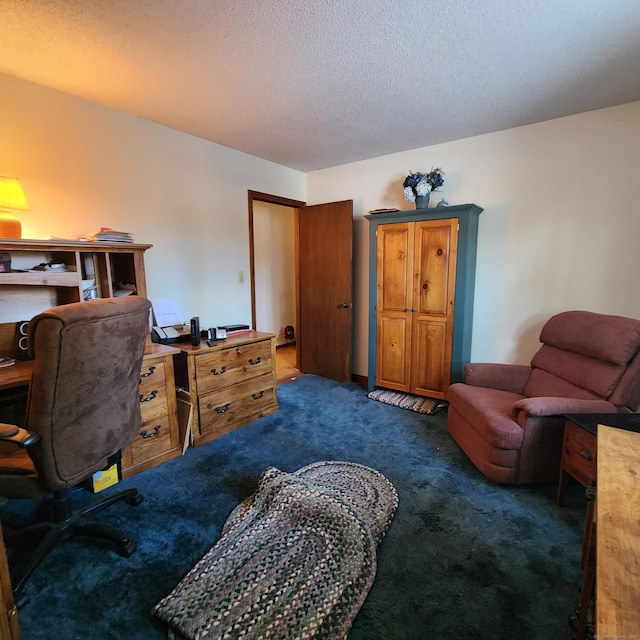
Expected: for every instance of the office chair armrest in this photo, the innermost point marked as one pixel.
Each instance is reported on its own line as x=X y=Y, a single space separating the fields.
x=22 y=437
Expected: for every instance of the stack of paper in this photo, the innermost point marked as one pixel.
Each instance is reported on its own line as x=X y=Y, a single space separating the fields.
x=110 y=235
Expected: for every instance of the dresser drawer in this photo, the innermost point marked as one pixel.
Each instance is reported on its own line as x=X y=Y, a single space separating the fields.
x=152 y=384
x=226 y=367
x=158 y=438
x=153 y=439
x=225 y=409
x=579 y=453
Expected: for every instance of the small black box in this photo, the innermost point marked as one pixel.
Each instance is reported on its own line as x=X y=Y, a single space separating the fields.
x=195 y=331
x=5 y=262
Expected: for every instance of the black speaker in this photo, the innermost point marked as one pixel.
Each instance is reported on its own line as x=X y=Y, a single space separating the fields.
x=195 y=331
x=22 y=349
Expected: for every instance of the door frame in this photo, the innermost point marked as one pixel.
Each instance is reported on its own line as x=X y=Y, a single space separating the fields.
x=253 y=196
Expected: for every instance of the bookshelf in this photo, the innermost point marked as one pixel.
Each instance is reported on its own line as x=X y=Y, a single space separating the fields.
x=107 y=268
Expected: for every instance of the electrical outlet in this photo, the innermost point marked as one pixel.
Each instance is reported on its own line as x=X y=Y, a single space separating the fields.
x=240 y=276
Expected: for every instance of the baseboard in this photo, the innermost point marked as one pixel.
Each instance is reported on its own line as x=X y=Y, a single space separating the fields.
x=358 y=379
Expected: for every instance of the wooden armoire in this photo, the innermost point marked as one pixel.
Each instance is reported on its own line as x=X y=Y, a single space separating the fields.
x=421 y=286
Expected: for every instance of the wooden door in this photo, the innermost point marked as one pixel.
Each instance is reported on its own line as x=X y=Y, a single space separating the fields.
x=325 y=289
x=394 y=304
x=434 y=277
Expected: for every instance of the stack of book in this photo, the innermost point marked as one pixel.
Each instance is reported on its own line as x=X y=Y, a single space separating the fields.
x=109 y=235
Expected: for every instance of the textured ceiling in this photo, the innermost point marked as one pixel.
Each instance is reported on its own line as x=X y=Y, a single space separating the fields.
x=311 y=84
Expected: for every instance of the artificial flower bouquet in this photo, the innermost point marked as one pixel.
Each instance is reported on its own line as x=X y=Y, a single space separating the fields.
x=420 y=184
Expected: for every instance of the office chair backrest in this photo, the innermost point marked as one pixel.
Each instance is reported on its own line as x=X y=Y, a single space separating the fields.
x=83 y=397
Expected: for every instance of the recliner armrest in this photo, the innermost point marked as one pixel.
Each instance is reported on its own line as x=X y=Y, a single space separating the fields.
x=506 y=377
x=550 y=406
x=21 y=437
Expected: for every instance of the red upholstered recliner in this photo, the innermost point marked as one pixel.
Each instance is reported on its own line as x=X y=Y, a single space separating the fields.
x=508 y=419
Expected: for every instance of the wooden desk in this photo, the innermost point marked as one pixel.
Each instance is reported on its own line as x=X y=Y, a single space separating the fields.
x=618 y=534
x=159 y=438
x=17 y=375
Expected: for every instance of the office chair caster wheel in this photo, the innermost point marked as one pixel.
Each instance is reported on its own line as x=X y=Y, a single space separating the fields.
x=128 y=550
x=135 y=500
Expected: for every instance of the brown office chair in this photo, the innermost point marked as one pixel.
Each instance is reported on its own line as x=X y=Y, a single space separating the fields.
x=83 y=408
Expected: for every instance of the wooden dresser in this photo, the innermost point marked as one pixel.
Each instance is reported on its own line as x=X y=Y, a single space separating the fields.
x=159 y=437
x=231 y=383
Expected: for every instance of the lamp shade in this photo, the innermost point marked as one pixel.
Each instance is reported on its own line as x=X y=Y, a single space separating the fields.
x=11 y=199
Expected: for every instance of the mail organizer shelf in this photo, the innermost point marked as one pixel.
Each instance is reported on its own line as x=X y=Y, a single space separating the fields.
x=231 y=383
x=89 y=270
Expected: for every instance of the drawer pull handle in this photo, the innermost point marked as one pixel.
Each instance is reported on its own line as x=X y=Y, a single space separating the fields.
x=258 y=360
x=145 y=434
x=151 y=396
x=586 y=454
x=150 y=372
x=224 y=408
x=257 y=396
x=219 y=373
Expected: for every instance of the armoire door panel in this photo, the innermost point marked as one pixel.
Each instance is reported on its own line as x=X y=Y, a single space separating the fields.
x=394 y=364
x=430 y=370
x=435 y=260
x=395 y=257
x=436 y=243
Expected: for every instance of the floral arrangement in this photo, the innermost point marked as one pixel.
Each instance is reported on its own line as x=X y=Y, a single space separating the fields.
x=420 y=184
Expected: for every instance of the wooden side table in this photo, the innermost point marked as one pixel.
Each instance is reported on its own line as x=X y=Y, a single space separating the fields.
x=579 y=444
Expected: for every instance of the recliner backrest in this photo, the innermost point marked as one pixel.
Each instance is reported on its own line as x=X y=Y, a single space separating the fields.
x=83 y=397
x=588 y=355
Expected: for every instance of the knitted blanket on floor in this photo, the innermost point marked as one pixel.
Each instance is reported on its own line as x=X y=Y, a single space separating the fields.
x=294 y=560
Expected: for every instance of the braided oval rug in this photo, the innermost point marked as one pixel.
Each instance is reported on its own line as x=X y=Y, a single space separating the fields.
x=294 y=560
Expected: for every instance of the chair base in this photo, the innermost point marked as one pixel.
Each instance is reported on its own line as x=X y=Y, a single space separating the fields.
x=66 y=523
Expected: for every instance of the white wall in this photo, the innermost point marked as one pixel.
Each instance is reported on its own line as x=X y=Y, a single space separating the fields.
x=275 y=268
x=560 y=228
x=83 y=166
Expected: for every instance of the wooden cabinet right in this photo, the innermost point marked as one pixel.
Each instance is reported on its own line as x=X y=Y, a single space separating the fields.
x=231 y=383
x=421 y=284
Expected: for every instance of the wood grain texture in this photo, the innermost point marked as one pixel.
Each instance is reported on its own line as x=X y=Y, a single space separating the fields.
x=618 y=534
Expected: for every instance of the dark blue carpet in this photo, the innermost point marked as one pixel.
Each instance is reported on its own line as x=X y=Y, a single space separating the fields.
x=463 y=559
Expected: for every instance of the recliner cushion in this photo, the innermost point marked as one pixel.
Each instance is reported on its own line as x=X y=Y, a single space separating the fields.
x=488 y=411
x=610 y=338
x=566 y=374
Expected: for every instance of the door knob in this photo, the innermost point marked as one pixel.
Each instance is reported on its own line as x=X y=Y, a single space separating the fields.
x=345 y=305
